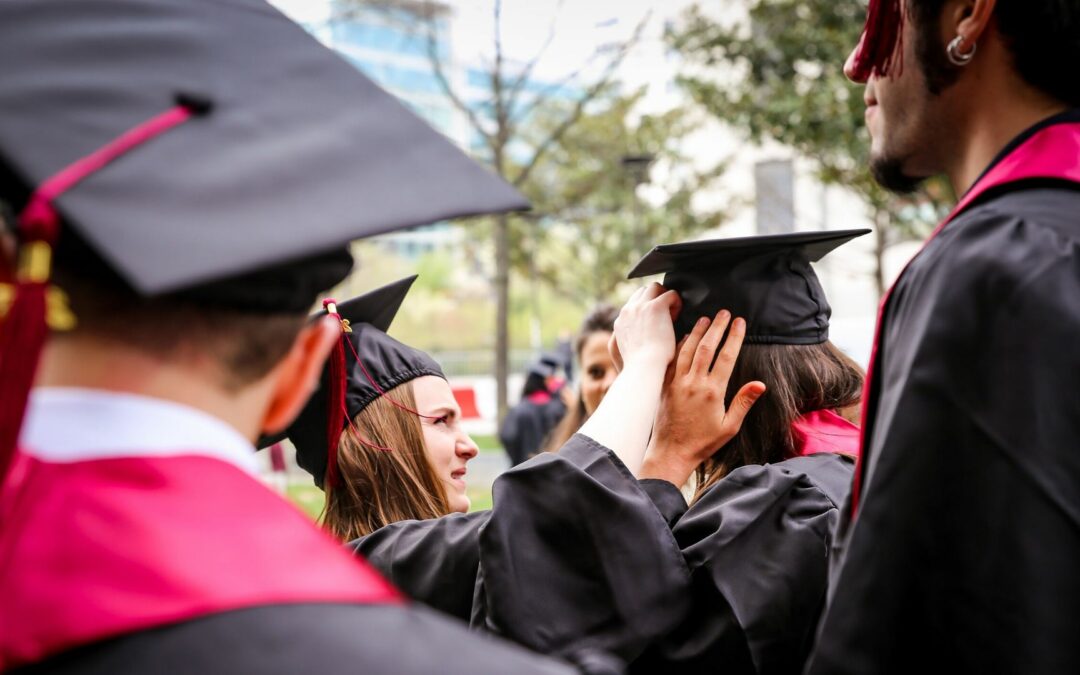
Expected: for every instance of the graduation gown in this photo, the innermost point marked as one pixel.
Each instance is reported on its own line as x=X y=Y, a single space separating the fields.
x=435 y=562
x=962 y=540
x=134 y=539
x=573 y=560
x=580 y=559
x=756 y=545
x=527 y=425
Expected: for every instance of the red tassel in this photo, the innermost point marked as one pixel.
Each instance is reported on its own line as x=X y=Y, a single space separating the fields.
x=881 y=41
x=24 y=329
x=22 y=336
x=336 y=416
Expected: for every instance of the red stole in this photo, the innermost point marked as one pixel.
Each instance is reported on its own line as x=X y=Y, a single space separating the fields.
x=539 y=397
x=1050 y=153
x=100 y=548
x=825 y=431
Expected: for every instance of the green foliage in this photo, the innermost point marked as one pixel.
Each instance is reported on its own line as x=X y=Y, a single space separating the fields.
x=784 y=80
x=591 y=220
x=451 y=306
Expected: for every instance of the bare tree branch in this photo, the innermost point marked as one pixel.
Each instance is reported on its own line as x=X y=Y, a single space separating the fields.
x=544 y=94
x=526 y=72
x=579 y=107
x=448 y=90
x=502 y=130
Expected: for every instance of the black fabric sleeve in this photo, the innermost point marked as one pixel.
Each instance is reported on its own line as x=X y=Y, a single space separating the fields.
x=432 y=561
x=576 y=559
x=757 y=547
x=667 y=498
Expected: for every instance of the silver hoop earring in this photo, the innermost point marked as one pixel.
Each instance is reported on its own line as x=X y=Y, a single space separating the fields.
x=953 y=52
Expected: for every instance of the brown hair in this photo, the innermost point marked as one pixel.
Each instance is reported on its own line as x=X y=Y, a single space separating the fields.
x=800 y=379
x=379 y=487
x=600 y=320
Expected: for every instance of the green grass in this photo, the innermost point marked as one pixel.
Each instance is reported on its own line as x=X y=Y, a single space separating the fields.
x=480 y=496
x=488 y=442
x=310 y=498
x=307 y=497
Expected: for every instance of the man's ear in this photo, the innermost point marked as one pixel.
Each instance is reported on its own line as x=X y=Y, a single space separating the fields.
x=297 y=376
x=970 y=17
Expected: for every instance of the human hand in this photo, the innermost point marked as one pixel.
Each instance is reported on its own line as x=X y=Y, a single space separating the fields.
x=642 y=320
x=692 y=421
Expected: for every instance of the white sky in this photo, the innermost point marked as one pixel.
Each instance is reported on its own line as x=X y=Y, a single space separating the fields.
x=579 y=27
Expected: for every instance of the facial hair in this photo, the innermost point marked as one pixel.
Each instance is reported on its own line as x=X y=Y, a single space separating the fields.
x=888 y=172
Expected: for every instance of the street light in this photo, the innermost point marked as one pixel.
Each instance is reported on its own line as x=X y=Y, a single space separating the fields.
x=637 y=168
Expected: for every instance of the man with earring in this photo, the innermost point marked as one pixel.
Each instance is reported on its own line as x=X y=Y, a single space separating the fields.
x=961 y=538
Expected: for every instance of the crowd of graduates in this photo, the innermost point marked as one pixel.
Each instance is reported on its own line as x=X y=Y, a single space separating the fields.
x=719 y=489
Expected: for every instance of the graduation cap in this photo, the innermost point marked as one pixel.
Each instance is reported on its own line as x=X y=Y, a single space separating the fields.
x=365 y=365
x=766 y=279
x=541 y=368
x=553 y=359
x=190 y=142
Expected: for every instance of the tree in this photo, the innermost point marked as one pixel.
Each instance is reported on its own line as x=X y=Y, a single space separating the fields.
x=500 y=119
x=784 y=80
x=592 y=225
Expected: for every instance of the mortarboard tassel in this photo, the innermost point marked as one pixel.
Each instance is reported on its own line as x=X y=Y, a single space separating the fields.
x=337 y=414
x=25 y=326
x=881 y=40
x=23 y=331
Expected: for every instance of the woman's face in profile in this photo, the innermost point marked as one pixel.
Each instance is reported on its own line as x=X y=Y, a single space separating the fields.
x=597 y=370
x=447 y=445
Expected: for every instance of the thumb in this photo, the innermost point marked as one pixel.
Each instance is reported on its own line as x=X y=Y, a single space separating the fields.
x=742 y=403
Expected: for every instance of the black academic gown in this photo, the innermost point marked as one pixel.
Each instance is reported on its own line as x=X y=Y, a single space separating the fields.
x=756 y=545
x=580 y=559
x=964 y=551
x=574 y=560
x=527 y=425
x=434 y=561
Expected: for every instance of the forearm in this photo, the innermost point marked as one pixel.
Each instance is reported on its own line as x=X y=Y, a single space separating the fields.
x=624 y=418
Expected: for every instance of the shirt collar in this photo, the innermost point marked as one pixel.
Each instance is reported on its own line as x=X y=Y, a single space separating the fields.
x=74 y=425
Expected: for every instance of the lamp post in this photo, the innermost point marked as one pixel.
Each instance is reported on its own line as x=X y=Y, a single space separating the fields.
x=637 y=168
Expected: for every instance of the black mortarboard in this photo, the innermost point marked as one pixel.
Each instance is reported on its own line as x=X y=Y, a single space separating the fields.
x=542 y=368
x=767 y=280
x=374 y=363
x=554 y=359
x=189 y=142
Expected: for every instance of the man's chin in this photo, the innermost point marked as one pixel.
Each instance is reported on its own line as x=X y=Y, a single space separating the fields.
x=888 y=172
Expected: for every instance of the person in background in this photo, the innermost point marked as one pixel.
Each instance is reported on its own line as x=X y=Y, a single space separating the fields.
x=597 y=372
x=529 y=422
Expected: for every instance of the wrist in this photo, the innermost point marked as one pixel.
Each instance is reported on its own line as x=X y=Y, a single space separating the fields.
x=647 y=359
x=674 y=470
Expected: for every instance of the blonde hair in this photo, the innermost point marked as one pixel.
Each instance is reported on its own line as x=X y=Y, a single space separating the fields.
x=379 y=487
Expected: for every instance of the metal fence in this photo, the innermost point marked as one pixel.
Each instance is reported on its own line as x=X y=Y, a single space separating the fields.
x=481 y=363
